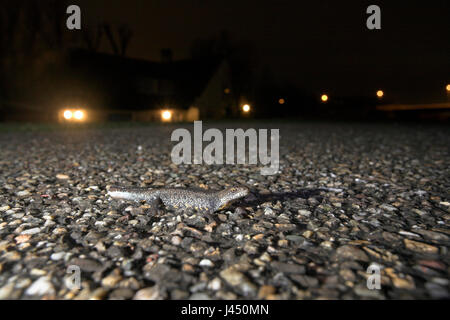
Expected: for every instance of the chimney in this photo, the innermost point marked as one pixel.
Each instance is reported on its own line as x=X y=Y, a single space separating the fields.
x=166 y=55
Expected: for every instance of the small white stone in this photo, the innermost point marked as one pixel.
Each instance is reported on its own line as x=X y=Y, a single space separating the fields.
x=215 y=284
x=268 y=211
x=31 y=231
x=151 y=293
x=40 y=287
x=57 y=255
x=100 y=223
x=176 y=240
x=305 y=213
x=38 y=272
x=6 y=290
x=49 y=223
x=206 y=263
x=133 y=222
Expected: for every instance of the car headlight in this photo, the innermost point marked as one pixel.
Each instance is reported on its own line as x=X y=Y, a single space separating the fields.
x=79 y=115
x=68 y=114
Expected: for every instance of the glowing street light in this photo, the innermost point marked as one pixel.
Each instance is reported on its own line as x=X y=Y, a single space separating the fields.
x=324 y=98
x=68 y=114
x=380 y=93
x=79 y=115
x=166 y=115
x=448 y=88
x=281 y=101
x=246 y=108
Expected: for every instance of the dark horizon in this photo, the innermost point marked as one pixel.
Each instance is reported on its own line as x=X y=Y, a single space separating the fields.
x=317 y=46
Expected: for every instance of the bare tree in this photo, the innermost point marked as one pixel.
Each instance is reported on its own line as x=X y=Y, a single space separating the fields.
x=124 y=35
x=92 y=37
x=110 y=36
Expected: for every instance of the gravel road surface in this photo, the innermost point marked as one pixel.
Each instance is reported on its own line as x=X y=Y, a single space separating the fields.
x=348 y=196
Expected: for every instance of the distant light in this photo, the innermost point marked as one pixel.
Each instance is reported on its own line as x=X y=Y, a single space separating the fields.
x=246 y=108
x=227 y=90
x=79 y=115
x=380 y=93
x=448 y=87
x=68 y=114
x=281 y=101
x=324 y=98
x=166 y=115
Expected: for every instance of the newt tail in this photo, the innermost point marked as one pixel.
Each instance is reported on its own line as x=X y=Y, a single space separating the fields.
x=178 y=198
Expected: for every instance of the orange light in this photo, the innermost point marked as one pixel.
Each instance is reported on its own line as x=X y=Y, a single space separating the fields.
x=227 y=90
x=79 y=115
x=166 y=115
x=68 y=114
x=281 y=101
x=448 y=87
x=246 y=108
x=380 y=93
x=324 y=98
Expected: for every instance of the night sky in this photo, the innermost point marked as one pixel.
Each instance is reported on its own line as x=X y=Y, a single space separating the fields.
x=317 y=45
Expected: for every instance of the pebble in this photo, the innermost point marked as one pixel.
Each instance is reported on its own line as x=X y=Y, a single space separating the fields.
x=58 y=256
x=327 y=244
x=288 y=267
x=215 y=284
x=206 y=263
x=176 y=240
x=150 y=293
x=348 y=252
x=420 y=247
x=200 y=296
x=87 y=265
x=238 y=279
x=41 y=286
x=23 y=238
x=121 y=294
x=31 y=231
x=6 y=290
x=266 y=291
x=112 y=279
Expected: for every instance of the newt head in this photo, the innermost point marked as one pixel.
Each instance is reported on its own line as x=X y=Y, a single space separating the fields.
x=229 y=195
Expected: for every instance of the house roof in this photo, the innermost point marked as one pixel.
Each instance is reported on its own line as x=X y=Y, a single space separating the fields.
x=121 y=76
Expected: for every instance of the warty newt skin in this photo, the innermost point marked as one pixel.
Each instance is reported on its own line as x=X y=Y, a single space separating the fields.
x=178 y=198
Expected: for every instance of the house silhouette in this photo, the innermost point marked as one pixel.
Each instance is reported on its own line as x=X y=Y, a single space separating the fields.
x=113 y=87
